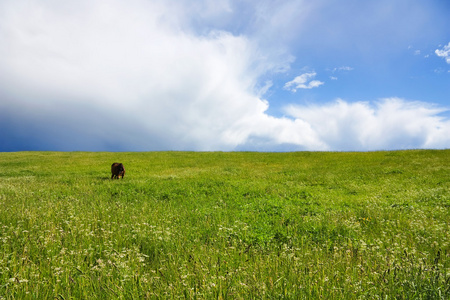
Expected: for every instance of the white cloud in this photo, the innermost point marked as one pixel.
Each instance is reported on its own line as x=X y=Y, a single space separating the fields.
x=303 y=82
x=444 y=53
x=391 y=123
x=343 y=68
x=132 y=62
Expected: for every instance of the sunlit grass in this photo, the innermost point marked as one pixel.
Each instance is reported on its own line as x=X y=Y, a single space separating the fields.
x=225 y=225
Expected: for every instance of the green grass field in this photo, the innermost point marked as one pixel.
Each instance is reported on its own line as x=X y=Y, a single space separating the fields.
x=216 y=225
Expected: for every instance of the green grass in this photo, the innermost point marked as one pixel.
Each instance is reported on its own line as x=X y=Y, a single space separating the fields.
x=218 y=225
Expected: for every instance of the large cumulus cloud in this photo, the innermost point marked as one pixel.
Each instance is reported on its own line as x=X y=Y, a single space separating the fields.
x=390 y=123
x=124 y=72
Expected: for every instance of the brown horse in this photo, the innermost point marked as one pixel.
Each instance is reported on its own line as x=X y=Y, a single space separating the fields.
x=117 y=170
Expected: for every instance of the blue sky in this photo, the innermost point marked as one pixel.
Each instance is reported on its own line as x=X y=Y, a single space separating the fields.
x=145 y=75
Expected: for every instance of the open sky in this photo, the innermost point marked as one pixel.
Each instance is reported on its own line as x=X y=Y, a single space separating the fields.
x=229 y=75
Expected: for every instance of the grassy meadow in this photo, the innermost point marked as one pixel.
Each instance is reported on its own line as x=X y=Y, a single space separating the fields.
x=215 y=225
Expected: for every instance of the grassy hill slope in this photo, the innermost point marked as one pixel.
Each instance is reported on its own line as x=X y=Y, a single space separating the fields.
x=225 y=225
